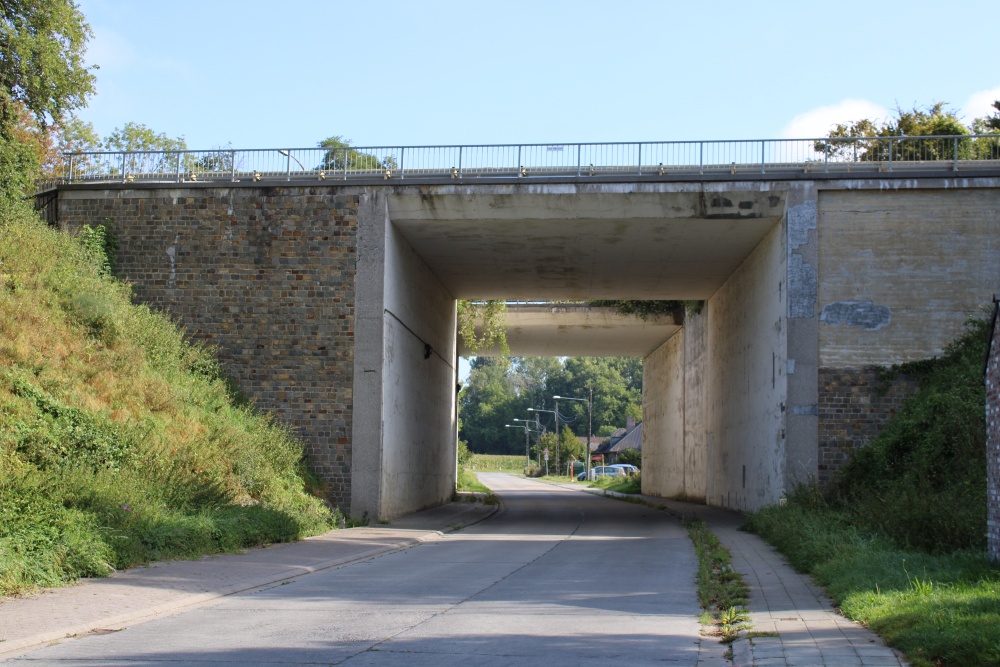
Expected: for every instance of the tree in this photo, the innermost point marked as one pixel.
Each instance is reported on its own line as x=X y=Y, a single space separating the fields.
x=868 y=140
x=340 y=155
x=69 y=135
x=151 y=152
x=988 y=124
x=43 y=76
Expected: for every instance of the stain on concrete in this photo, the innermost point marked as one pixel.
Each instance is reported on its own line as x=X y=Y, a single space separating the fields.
x=803 y=282
x=722 y=202
x=803 y=278
x=861 y=314
x=801 y=221
x=812 y=409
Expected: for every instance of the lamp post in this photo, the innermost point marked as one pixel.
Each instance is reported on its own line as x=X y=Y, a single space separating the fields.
x=289 y=155
x=527 y=429
x=556 y=413
x=590 y=419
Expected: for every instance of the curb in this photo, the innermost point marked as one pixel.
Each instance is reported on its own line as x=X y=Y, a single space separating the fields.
x=12 y=648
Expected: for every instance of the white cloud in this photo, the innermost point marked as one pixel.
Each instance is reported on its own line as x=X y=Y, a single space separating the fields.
x=980 y=104
x=819 y=121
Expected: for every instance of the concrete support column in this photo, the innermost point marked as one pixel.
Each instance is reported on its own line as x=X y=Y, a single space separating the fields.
x=405 y=375
x=802 y=416
x=369 y=306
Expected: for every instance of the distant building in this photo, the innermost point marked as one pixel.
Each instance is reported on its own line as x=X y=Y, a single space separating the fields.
x=629 y=437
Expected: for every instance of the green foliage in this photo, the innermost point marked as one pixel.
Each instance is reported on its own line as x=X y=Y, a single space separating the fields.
x=468 y=481
x=120 y=442
x=631 y=457
x=721 y=590
x=43 y=76
x=42 y=45
x=931 y=455
x=340 y=154
x=645 y=310
x=496 y=462
x=626 y=484
x=102 y=245
x=151 y=149
x=499 y=391
x=941 y=609
x=490 y=318
x=935 y=120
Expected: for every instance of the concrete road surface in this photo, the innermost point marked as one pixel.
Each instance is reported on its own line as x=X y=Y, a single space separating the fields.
x=557 y=577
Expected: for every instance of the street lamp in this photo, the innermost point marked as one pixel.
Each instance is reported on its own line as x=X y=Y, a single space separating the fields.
x=556 y=413
x=292 y=157
x=527 y=429
x=590 y=419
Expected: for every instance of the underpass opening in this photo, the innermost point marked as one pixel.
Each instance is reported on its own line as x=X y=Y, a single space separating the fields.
x=715 y=388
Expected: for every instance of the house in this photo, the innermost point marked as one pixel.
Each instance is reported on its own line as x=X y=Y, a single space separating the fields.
x=629 y=437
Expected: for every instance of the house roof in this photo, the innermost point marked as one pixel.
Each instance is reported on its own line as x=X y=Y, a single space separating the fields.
x=631 y=440
x=621 y=440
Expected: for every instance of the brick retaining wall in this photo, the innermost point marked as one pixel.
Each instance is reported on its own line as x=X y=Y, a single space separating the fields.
x=264 y=274
x=852 y=410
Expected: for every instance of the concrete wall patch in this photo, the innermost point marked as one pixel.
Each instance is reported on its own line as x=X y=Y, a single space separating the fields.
x=863 y=314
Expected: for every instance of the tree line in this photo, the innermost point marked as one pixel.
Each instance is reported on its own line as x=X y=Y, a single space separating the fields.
x=500 y=390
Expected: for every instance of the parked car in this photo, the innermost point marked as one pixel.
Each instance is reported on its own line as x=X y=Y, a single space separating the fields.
x=603 y=471
x=627 y=467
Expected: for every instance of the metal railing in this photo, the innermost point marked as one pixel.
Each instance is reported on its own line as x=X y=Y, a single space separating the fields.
x=594 y=160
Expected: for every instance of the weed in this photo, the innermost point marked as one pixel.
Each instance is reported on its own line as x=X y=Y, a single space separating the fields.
x=721 y=589
x=120 y=442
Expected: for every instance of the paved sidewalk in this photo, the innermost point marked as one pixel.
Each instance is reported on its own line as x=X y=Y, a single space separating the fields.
x=810 y=632
x=97 y=606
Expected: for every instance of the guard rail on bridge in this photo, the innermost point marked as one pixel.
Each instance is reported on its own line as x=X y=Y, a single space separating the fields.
x=837 y=156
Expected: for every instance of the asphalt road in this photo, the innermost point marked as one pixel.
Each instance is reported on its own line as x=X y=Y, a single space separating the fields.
x=557 y=577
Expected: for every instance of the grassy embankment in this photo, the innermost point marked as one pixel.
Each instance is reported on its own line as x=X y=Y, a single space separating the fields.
x=899 y=541
x=120 y=442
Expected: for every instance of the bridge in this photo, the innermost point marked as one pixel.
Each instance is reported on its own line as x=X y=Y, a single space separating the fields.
x=328 y=281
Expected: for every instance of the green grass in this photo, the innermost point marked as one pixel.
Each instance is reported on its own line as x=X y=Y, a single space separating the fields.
x=468 y=481
x=938 y=609
x=496 y=463
x=120 y=441
x=626 y=484
x=899 y=539
x=721 y=589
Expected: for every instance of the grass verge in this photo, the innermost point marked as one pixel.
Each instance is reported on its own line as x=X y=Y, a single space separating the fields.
x=120 y=441
x=938 y=609
x=496 y=463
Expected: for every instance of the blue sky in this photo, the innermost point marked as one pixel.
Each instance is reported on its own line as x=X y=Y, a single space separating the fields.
x=290 y=73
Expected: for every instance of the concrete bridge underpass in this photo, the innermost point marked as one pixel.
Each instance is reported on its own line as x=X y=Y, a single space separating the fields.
x=334 y=305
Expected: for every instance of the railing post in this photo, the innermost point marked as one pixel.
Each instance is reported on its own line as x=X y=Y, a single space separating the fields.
x=701 y=157
x=71 y=168
x=826 y=157
x=123 y=166
x=890 y=153
x=955 y=156
x=178 y=166
x=640 y=158
x=519 y=165
x=288 y=165
x=232 y=165
x=345 y=161
x=762 y=149
x=579 y=148
x=460 y=162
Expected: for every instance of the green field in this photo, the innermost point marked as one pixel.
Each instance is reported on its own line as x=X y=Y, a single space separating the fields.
x=496 y=463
